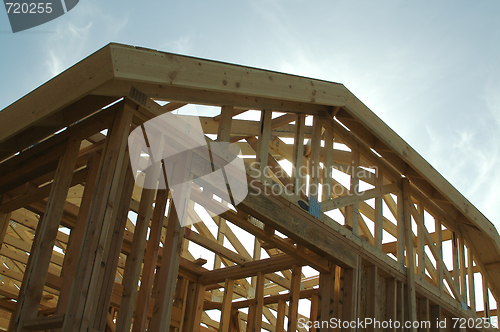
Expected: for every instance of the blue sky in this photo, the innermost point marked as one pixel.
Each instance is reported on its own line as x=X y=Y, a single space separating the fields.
x=430 y=70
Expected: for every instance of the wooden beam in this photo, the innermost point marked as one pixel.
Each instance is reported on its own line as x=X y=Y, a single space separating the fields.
x=402 y=307
x=44 y=323
x=439 y=245
x=379 y=216
x=38 y=264
x=280 y=316
x=392 y=302
x=4 y=224
x=167 y=276
x=352 y=211
x=312 y=259
x=436 y=318
x=224 y=130
x=267 y=300
x=87 y=282
x=419 y=218
x=328 y=161
x=326 y=285
x=294 y=298
x=215 y=247
x=456 y=267
x=353 y=198
x=236 y=80
x=298 y=174
x=463 y=270
x=400 y=238
x=424 y=314
x=254 y=321
x=226 y=312
x=150 y=262
x=350 y=303
x=410 y=266
x=115 y=239
x=472 y=286
x=134 y=261
x=314 y=159
x=293 y=222
x=486 y=299
x=374 y=125
x=313 y=313
x=194 y=308
x=337 y=287
x=371 y=296
x=263 y=144
x=76 y=235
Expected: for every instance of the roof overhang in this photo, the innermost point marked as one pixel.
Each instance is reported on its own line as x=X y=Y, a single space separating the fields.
x=112 y=71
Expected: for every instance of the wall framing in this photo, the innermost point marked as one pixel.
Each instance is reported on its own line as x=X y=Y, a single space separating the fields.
x=72 y=259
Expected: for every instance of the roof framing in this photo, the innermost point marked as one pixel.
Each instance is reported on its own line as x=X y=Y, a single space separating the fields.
x=75 y=100
x=115 y=68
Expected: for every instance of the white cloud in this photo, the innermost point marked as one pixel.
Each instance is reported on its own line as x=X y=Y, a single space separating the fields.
x=68 y=43
x=182 y=45
x=79 y=33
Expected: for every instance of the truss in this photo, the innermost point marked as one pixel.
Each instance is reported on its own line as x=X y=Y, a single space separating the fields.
x=85 y=249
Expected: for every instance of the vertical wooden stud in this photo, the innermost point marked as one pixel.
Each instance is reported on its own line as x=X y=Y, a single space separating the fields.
x=293 y=306
x=352 y=211
x=263 y=144
x=328 y=162
x=227 y=300
x=379 y=227
x=313 y=315
x=280 y=317
x=470 y=270
x=150 y=260
x=436 y=318
x=41 y=251
x=298 y=174
x=424 y=313
x=392 y=304
x=88 y=280
x=350 y=304
x=371 y=296
x=254 y=320
x=224 y=129
x=410 y=269
x=76 y=235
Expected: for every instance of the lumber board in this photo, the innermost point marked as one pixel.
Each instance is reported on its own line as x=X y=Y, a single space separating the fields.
x=175 y=70
x=38 y=263
x=88 y=277
x=422 y=167
x=150 y=260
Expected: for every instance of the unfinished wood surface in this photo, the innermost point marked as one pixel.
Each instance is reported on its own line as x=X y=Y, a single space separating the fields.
x=38 y=264
x=227 y=300
x=167 y=276
x=150 y=261
x=410 y=271
x=133 y=266
x=339 y=234
x=88 y=276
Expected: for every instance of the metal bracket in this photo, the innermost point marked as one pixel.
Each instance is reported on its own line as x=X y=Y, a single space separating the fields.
x=314 y=207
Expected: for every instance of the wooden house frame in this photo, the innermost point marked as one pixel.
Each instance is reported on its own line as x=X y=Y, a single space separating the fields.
x=72 y=259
